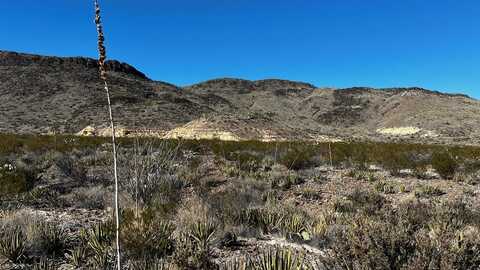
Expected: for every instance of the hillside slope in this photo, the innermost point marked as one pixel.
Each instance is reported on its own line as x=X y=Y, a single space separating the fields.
x=42 y=94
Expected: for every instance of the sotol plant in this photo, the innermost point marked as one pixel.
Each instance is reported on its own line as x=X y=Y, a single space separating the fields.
x=13 y=242
x=103 y=75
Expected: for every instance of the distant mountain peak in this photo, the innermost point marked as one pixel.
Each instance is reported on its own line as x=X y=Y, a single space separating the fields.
x=404 y=91
x=247 y=85
x=8 y=58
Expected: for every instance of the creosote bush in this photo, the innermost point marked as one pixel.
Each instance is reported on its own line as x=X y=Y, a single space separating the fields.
x=445 y=164
x=414 y=235
x=15 y=180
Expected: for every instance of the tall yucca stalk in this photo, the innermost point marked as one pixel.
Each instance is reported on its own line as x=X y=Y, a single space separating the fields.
x=102 y=55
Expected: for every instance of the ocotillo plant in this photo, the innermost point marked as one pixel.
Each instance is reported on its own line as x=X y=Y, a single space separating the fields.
x=102 y=55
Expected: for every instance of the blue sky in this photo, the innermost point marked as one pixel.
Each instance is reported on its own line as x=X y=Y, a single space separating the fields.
x=381 y=43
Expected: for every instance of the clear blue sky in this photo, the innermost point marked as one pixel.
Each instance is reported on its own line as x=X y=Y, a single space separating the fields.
x=429 y=43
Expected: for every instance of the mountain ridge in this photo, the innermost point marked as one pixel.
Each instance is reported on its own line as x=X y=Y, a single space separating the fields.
x=63 y=94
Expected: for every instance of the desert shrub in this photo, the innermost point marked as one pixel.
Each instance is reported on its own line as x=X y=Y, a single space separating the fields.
x=445 y=164
x=414 y=235
x=144 y=235
x=246 y=161
x=394 y=162
x=440 y=248
x=420 y=171
x=358 y=157
x=283 y=179
x=361 y=175
x=13 y=243
x=230 y=170
x=14 y=180
x=456 y=214
x=366 y=201
x=427 y=191
x=87 y=197
x=387 y=187
x=47 y=238
x=227 y=205
x=309 y=194
x=70 y=166
x=151 y=168
x=165 y=200
x=342 y=206
x=297 y=157
x=322 y=222
x=370 y=243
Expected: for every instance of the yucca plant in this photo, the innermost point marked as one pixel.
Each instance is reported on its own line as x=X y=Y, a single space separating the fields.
x=99 y=242
x=279 y=259
x=103 y=75
x=13 y=243
x=262 y=218
x=202 y=232
x=76 y=257
x=296 y=225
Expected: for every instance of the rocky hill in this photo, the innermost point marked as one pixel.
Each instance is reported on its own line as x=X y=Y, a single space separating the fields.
x=40 y=94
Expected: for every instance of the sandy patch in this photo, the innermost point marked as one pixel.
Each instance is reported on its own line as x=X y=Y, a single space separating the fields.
x=399 y=131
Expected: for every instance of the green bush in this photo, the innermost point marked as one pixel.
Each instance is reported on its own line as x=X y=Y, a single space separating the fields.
x=366 y=201
x=297 y=157
x=445 y=164
x=16 y=180
x=370 y=243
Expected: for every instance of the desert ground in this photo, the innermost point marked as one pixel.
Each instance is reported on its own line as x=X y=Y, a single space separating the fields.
x=211 y=204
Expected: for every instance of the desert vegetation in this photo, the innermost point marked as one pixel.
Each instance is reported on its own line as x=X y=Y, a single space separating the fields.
x=237 y=205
